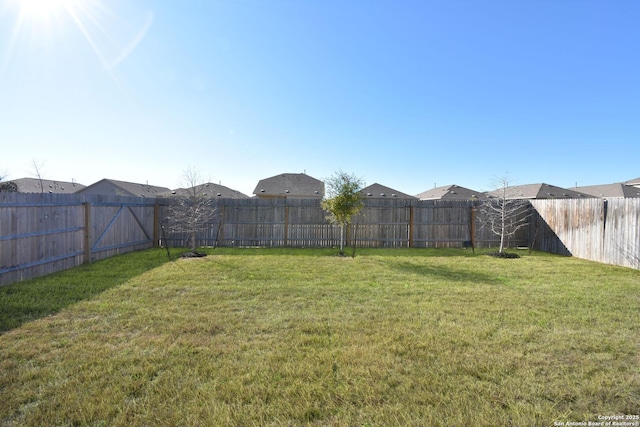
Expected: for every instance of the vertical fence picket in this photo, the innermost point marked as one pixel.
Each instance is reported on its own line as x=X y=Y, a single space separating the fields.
x=43 y=233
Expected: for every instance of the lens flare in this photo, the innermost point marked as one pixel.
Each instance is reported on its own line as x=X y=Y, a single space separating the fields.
x=111 y=37
x=42 y=10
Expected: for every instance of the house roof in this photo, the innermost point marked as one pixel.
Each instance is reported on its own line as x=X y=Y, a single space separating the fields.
x=450 y=192
x=633 y=182
x=208 y=189
x=122 y=188
x=618 y=189
x=379 y=191
x=538 y=191
x=35 y=185
x=290 y=185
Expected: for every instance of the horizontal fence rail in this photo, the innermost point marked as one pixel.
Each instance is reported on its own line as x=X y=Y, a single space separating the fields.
x=302 y=223
x=606 y=231
x=44 y=233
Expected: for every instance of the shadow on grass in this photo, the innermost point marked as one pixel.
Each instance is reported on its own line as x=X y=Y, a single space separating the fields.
x=333 y=251
x=445 y=273
x=276 y=251
x=33 y=299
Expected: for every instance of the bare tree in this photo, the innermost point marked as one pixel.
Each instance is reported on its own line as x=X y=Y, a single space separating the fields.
x=191 y=208
x=504 y=212
x=343 y=200
x=37 y=167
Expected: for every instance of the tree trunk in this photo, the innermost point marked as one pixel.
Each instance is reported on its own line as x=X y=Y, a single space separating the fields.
x=341 y=239
x=193 y=240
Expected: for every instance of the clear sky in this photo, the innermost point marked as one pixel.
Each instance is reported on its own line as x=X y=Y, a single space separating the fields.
x=409 y=94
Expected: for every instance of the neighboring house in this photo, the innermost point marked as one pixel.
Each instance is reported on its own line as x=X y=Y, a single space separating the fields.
x=208 y=189
x=290 y=185
x=378 y=191
x=451 y=192
x=617 y=190
x=111 y=187
x=633 y=182
x=537 y=191
x=35 y=185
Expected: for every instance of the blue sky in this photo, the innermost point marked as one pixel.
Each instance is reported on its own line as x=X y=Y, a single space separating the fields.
x=409 y=94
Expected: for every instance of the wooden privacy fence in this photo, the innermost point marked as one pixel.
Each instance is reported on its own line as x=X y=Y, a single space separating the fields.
x=302 y=223
x=606 y=231
x=44 y=233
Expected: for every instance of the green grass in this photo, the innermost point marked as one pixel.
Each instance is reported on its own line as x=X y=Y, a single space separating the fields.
x=33 y=299
x=301 y=337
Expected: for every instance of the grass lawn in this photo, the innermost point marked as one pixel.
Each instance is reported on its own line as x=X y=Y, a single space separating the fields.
x=257 y=337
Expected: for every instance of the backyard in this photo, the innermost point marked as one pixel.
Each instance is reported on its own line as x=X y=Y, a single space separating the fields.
x=258 y=337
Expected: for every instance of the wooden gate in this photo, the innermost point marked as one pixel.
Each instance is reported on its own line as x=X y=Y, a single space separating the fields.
x=45 y=233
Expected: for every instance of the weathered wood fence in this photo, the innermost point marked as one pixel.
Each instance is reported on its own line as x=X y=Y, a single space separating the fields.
x=391 y=223
x=44 y=233
x=606 y=231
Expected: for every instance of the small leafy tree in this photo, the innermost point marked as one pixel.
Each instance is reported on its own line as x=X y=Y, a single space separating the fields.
x=504 y=212
x=342 y=200
x=189 y=211
x=8 y=187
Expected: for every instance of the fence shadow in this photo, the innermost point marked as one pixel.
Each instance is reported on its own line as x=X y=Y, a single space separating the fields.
x=445 y=273
x=545 y=238
x=34 y=299
x=629 y=254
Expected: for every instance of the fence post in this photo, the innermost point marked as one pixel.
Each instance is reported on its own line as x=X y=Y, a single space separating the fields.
x=411 y=226
x=605 y=208
x=286 y=223
x=472 y=228
x=87 y=233
x=156 y=225
x=220 y=235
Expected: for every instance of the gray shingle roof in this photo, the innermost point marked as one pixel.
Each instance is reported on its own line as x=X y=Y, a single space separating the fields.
x=123 y=188
x=538 y=191
x=611 y=190
x=35 y=185
x=450 y=192
x=633 y=182
x=290 y=185
x=378 y=191
x=208 y=189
